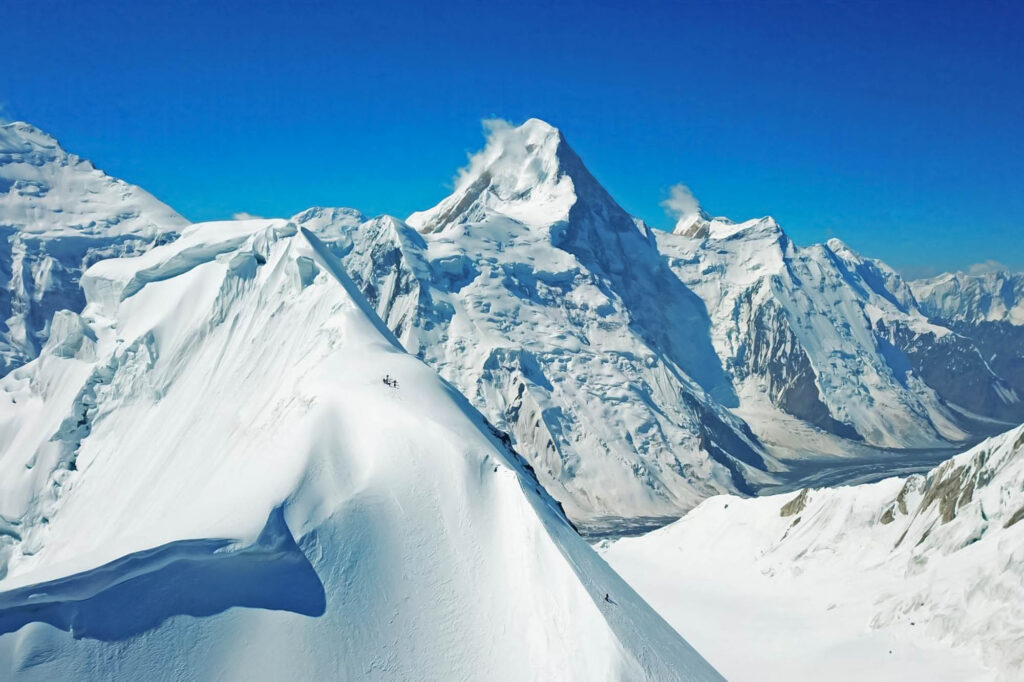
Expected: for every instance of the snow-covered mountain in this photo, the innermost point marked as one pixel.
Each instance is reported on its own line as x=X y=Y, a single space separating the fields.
x=58 y=215
x=973 y=299
x=553 y=311
x=634 y=368
x=989 y=310
x=915 y=578
x=835 y=340
x=205 y=476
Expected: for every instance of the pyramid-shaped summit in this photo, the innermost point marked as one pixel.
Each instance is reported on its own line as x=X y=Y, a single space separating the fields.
x=527 y=173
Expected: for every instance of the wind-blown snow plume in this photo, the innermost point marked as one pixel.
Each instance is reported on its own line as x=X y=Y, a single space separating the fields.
x=537 y=295
x=681 y=204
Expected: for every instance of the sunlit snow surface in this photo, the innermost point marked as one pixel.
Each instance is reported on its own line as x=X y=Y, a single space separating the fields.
x=204 y=476
x=907 y=579
x=960 y=297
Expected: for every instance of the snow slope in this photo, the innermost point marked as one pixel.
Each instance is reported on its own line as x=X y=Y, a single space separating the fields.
x=204 y=476
x=59 y=214
x=916 y=578
x=552 y=310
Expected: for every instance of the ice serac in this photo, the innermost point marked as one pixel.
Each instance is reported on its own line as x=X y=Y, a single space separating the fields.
x=59 y=214
x=551 y=309
x=205 y=475
x=909 y=578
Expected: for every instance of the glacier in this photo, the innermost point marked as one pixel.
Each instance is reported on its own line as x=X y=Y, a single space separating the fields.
x=204 y=472
x=639 y=371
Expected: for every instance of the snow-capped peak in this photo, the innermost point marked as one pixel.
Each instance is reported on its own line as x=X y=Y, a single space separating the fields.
x=47 y=192
x=59 y=214
x=973 y=298
x=226 y=466
x=841 y=249
x=693 y=224
x=23 y=142
x=702 y=225
x=527 y=173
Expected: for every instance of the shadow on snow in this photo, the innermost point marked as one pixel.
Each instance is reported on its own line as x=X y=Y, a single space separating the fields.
x=138 y=592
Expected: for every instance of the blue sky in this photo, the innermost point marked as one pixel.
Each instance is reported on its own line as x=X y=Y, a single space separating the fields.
x=897 y=129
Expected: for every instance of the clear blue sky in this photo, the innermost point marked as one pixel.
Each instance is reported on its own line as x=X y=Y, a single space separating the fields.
x=897 y=129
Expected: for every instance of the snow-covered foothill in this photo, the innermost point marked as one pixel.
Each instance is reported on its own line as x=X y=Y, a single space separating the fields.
x=909 y=578
x=204 y=475
x=58 y=215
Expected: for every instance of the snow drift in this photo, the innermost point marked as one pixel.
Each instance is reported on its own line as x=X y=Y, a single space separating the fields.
x=204 y=475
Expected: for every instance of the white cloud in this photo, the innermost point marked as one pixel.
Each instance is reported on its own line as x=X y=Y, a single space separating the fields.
x=242 y=215
x=680 y=203
x=986 y=267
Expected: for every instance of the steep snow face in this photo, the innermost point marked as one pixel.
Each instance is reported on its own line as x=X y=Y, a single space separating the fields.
x=59 y=214
x=916 y=578
x=973 y=299
x=551 y=309
x=836 y=341
x=206 y=473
